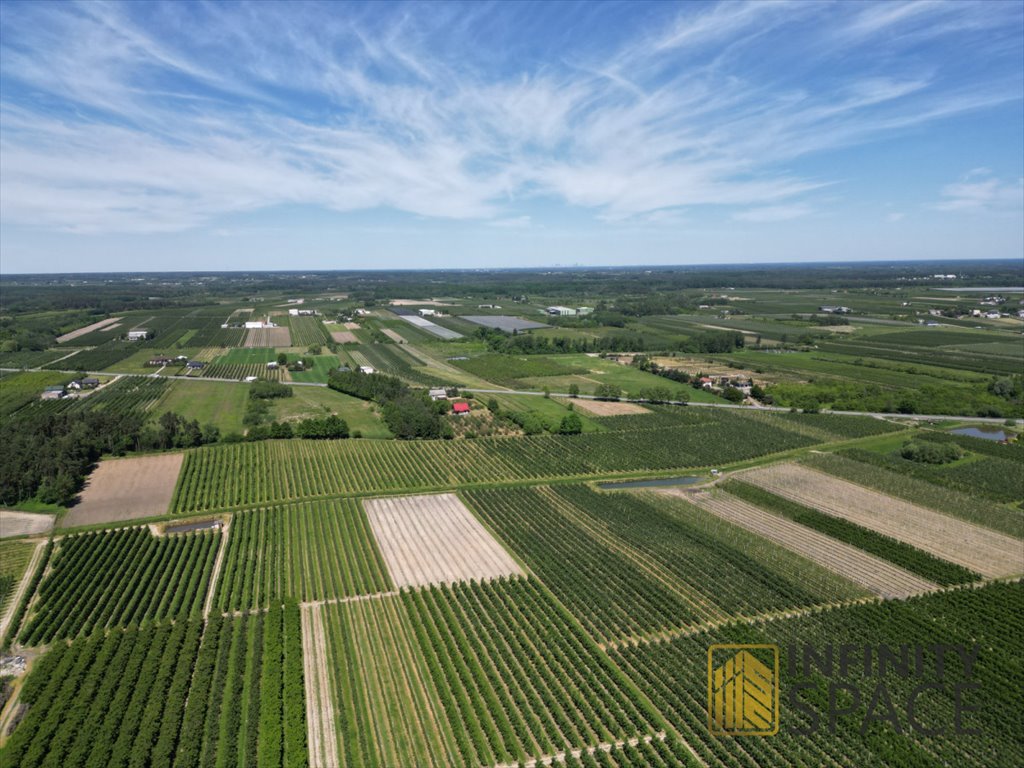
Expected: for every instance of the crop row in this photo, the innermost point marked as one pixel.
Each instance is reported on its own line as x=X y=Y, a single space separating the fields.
x=118 y=699
x=239 y=371
x=683 y=545
x=117 y=578
x=310 y=551
x=130 y=393
x=896 y=552
x=107 y=700
x=270 y=471
x=246 y=703
x=392 y=359
x=14 y=559
x=307 y=332
x=918 y=491
x=995 y=478
x=674 y=675
x=476 y=674
x=611 y=595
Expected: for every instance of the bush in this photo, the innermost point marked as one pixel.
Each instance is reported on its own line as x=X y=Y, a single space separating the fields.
x=927 y=452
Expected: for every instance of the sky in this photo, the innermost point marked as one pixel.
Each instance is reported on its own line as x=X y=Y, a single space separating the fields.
x=149 y=136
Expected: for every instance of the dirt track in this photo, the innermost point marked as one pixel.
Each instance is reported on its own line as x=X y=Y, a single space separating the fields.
x=323 y=741
x=22 y=523
x=435 y=540
x=87 y=329
x=982 y=550
x=609 y=407
x=872 y=573
x=127 y=489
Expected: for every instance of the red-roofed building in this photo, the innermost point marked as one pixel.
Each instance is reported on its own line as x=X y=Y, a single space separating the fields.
x=460 y=408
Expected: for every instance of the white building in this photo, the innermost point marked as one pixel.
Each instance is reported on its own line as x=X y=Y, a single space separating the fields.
x=438 y=394
x=139 y=335
x=427 y=312
x=366 y=369
x=561 y=311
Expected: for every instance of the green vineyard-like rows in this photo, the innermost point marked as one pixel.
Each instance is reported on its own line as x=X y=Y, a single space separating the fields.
x=271 y=471
x=311 y=551
x=119 y=699
x=674 y=674
x=239 y=371
x=117 y=578
x=595 y=551
x=504 y=674
x=307 y=332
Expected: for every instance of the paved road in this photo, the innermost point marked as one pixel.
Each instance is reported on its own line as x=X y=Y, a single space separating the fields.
x=776 y=409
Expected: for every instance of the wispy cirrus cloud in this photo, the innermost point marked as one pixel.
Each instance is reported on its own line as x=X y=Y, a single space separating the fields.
x=979 y=191
x=144 y=118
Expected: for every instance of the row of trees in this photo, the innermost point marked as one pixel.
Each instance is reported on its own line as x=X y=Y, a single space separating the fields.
x=409 y=413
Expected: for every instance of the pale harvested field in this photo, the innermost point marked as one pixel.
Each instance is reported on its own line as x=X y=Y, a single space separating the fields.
x=877 y=575
x=435 y=540
x=352 y=326
x=23 y=523
x=268 y=337
x=608 y=407
x=345 y=337
x=417 y=303
x=394 y=335
x=86 y=329
x=989 y=553
x=323 y=741
x=126 y=489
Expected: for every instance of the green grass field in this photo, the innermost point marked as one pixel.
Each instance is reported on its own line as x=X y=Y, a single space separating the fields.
x=209 y=402
x=317 y=402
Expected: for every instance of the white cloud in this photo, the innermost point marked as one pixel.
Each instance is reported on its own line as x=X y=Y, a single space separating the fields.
x=117 y=119
x=980 y=191
x=773 y=213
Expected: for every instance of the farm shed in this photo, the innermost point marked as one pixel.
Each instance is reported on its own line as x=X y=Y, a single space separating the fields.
x=194 y=365
x=56 y=392
x=460 y=408
x=141 y=334
x=438 y=394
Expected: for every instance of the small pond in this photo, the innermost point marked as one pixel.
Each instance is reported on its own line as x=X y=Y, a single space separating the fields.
x=653 y=483
x=985 y=433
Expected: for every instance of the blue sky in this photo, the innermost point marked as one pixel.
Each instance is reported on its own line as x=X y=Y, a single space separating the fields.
x=197 y=135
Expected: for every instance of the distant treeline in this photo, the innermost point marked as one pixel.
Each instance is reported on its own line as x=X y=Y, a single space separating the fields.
x=628 y=341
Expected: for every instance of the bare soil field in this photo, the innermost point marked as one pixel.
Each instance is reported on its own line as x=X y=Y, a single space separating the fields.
x=608 y=407
x=394 y=335
x=345 y=337
x=989 y=553
x=872 y=573
x=126 y=489
x=323 y=741
x=86 y=329
x=435 y=540
x=23 y=523
x=268 y=337
x=351 y=326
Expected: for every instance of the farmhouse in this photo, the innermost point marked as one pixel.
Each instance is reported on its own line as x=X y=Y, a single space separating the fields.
x=561 y=311
x=271 y=365
x=438 y=394
x=460 y=408
x=56 y=392
x=140 y=335
x=159 y=361
x=86 y=383
x=194 y=365
x=366 y=369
